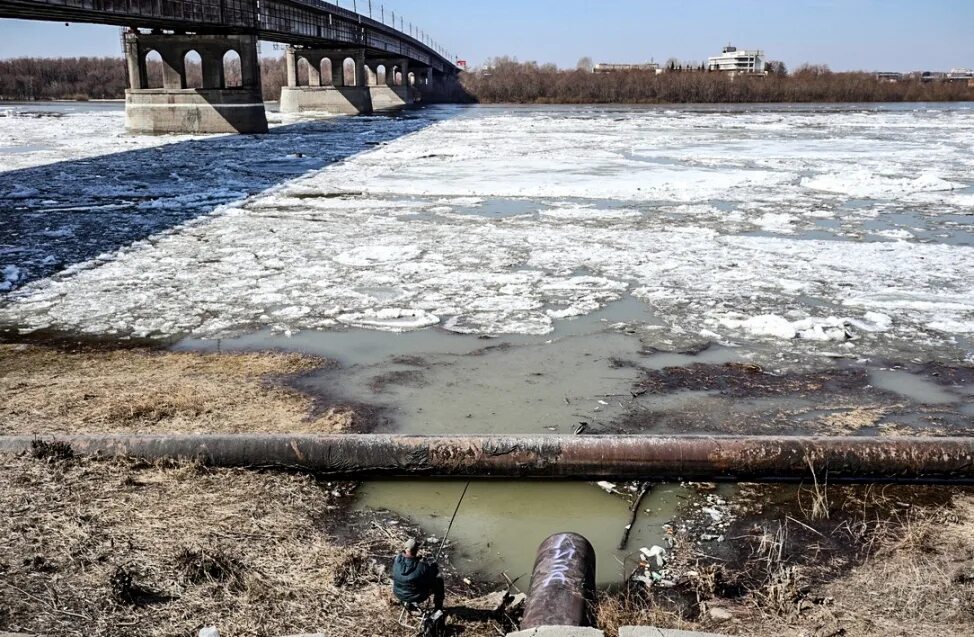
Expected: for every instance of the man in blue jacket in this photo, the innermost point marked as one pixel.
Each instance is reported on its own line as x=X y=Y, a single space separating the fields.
x=414 y=579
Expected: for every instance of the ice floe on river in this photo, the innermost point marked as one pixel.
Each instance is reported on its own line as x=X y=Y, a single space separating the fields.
x=801 y=226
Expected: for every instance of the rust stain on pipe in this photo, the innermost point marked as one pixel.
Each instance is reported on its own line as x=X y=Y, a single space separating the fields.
x=646 y=458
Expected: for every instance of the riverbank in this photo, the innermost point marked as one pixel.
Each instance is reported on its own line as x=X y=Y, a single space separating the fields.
x=511 y=82
x=166 y=549
x=92 y=389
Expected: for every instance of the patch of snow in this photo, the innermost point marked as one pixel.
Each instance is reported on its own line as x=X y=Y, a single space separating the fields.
x=368 y=256
x=777 y=222
x=391 y=319
x=867 y=185
x=898 y=234
x=809 y=329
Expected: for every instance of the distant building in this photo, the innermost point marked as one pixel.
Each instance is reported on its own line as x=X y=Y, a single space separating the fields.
x=732 y=60
x=622 y=68
x=960 y=75
x=891 y=77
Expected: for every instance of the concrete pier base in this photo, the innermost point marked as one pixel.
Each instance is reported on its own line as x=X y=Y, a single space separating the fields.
x=218 y=105
x=197 y=111
x=337 y=100
x=391 y=98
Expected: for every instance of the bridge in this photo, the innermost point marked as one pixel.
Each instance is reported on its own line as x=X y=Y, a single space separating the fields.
x=338 y=61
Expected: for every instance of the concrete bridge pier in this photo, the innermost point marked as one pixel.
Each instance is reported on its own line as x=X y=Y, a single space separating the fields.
x=395 y=93
x=337 y=82
x=420 y=82
x=220 y=105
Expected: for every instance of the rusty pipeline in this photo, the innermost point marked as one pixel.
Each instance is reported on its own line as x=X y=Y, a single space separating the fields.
x=645 y=458
x=562 y=584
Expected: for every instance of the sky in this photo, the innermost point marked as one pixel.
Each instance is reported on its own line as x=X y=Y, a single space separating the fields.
x=888 y=35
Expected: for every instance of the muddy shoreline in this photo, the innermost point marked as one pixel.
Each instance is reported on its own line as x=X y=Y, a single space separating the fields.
x=712 y=538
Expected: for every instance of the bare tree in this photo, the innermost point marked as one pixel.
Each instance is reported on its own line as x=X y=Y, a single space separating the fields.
x=531 y=83
x=776 y=67
x=585 y=64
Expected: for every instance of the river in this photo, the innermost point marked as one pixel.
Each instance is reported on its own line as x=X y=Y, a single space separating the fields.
x=523 y=269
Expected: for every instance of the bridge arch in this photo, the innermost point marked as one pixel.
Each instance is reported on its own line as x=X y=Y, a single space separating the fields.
x=303 y=71
x=232 y=70
x=192 y=69
x=327 y=79
x=154 y=71
x=381 y=74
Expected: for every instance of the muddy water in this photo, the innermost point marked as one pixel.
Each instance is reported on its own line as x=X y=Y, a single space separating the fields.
x=501 y=524
x=432 y=381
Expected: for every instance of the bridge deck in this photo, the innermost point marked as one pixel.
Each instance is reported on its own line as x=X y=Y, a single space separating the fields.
x=303 y=22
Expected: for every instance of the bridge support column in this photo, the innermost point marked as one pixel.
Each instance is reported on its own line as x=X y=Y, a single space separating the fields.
x=337 y=71
x=393 y=95
x=422 y=85
x=341 y=98
x=173 y=108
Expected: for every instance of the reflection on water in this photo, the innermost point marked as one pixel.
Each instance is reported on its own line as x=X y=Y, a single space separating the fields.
x=913 y=387
x=501 y=524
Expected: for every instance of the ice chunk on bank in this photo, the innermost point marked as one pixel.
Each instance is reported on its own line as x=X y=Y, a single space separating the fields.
x=390 y=319
x=809 y=329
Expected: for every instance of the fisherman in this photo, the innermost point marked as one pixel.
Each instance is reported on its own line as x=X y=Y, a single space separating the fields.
x=414 y=579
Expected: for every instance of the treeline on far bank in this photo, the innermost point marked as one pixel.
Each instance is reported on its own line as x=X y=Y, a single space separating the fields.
x=104 y=78
x=509 y=81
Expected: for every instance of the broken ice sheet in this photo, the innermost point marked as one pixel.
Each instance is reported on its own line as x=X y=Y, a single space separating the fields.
x=661 y=204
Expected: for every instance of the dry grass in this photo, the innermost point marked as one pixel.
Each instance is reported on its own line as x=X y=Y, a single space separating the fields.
x=876 y=566
x=615 y=610
x=49 y=390
x=918 y=581
x=124 y=548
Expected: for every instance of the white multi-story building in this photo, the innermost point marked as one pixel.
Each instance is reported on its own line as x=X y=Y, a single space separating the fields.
x=731 y=60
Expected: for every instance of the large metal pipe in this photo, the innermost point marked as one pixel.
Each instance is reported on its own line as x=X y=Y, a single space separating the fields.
x=646 y=458
x=563 y=583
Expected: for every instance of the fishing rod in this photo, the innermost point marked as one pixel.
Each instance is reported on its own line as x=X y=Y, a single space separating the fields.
x=452 y=520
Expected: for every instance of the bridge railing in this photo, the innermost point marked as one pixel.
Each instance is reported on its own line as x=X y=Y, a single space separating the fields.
x=233 y=14
x=377 y=34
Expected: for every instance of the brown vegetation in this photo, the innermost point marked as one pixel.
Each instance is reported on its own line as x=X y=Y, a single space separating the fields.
x=29 y=79
x=50 y=390
x=854 y=561
x=62 y=78
x=126 y=548
x=509 y=81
